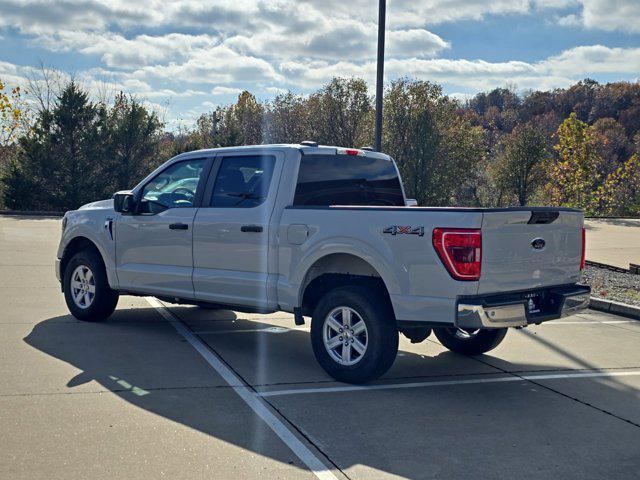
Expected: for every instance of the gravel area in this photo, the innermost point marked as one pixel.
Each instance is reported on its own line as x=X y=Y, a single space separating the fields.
x=610 y=285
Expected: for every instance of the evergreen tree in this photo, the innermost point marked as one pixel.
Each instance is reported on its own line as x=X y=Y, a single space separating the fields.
x=133 y=143
x=58 y=160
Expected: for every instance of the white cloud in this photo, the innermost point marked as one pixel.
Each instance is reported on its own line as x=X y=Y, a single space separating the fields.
x=212 y=66
x=219 y=90
x=570 y=20
x=412 y=13
x=557 y=71
x=275 y=90
x=414 y=42
x=42 y=16
x=119 y=52
x=611 y=14
x=593 y=59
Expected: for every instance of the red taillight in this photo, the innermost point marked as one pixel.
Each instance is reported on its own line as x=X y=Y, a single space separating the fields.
x=583 y=258
x=460 y=250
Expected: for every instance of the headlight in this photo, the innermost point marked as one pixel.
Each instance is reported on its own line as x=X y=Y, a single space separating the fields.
x=64 y=222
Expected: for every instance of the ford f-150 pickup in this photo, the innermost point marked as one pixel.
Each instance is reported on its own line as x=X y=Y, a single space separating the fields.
x=327 y=233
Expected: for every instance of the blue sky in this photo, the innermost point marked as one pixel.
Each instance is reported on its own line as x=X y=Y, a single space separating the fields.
x=186 y=57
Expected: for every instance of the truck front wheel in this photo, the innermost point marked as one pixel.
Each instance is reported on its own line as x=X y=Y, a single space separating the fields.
x=86 y=288
x=354 y=335
x=470 y=342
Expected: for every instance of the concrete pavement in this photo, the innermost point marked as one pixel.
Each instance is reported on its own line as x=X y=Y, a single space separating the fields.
x=131 y=397
x=614 y=241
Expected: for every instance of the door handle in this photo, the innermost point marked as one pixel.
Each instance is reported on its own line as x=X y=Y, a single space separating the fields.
x=251 y=228
x=179 y=226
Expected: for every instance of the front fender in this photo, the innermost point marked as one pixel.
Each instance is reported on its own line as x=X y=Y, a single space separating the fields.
x=93 y=227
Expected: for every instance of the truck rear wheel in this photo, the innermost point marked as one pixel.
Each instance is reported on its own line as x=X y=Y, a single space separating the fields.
x=470 y=342
x=86 y=288
x=354 y=335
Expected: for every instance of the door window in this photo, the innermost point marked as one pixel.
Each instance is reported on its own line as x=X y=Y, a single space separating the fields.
x=243 y=182
x=175 y=187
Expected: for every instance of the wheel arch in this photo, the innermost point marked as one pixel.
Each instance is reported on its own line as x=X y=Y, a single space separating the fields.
x=338 y=269
x=78 y=244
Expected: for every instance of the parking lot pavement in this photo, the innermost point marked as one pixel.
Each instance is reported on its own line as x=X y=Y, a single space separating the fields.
x=613 y=241
x=181 y=392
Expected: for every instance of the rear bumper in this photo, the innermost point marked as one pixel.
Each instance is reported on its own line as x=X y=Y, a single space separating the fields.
x=517 y=309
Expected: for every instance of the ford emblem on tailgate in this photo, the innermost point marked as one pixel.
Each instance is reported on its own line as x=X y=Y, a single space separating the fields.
x=538 y=243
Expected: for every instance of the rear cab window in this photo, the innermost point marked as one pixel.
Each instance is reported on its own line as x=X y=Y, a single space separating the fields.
x=325 y=180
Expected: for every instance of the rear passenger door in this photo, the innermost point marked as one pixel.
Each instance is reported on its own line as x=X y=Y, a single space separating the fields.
x=231 y=235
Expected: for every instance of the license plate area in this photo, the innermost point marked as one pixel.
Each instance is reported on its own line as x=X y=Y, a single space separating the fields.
x=541 y=304
x=534 y=302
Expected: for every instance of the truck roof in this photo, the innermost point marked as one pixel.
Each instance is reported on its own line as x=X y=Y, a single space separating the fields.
x=306 y=149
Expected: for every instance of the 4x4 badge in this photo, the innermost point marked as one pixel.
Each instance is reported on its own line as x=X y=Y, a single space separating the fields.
x=404 y=230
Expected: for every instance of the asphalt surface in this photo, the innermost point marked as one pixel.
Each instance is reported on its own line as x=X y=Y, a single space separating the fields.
x=179 y=392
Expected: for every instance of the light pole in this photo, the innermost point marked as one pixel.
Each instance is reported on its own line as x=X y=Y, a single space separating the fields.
x=382 y=13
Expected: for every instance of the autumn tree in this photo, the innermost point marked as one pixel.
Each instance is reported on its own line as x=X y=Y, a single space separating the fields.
x=575 y=177
x=287 y=119
x=12 y=114
x=341 y=113
x=518 y=170
x=241 y=123
x=619 y=195
x=613 y=146
x=436 y=149
x=13 y=121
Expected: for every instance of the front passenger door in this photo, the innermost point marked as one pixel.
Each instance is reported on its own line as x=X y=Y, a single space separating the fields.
x=154 y=244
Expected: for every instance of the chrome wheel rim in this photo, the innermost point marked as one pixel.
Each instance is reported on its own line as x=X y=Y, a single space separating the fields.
x=345 y=336
x=462 y=334
x=83 y=287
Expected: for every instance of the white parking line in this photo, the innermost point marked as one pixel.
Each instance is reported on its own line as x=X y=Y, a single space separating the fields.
x=247 y=395
x=595 y=322
x=393 y=386
x=250 y=330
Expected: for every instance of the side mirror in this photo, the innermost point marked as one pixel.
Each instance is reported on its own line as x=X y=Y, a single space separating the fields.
x=123 y=201
x=411 y=202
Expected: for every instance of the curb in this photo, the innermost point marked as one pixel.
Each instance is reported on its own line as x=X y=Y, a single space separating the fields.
x=606 y=266
x=32 y=213
x=617 y=308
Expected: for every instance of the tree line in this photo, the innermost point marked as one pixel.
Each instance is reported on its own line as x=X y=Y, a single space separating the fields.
x=575 y=147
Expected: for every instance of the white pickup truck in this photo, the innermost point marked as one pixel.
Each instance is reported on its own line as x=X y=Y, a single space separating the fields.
x=324 y=232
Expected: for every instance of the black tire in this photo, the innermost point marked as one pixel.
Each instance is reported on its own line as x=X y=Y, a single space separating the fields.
x=478 y=343
x=105 y=300
x=382 y=334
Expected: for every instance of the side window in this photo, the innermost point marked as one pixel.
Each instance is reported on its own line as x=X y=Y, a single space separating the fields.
x=243 y=182
x=174 y=187
x=325 y=180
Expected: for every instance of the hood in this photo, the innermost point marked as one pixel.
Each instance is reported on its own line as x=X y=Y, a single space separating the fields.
x=99 y=205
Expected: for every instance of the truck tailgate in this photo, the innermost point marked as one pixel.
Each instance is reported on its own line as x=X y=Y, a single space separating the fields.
x=525 y=249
